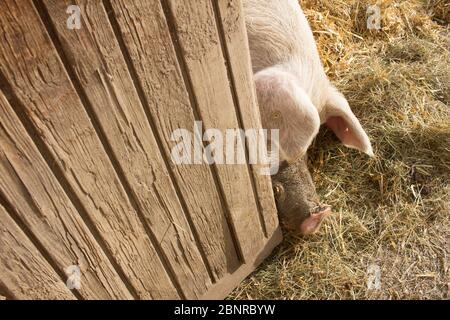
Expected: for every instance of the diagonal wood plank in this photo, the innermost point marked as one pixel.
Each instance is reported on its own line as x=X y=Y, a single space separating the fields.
x=234 y=36
x=97 y=61
x=40 y=202
x=55 y=113
x=25 y=274
x=198 y=38
x=147 y=41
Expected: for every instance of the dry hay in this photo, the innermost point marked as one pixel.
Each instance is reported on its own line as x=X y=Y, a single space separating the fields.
x=391 y=211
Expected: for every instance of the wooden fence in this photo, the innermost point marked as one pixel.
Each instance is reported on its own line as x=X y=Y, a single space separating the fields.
x=86 y=175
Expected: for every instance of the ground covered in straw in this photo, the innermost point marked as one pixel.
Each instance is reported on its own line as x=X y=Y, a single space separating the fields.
x=392 y=211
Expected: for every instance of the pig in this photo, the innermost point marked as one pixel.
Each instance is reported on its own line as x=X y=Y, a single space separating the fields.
x=295 y=96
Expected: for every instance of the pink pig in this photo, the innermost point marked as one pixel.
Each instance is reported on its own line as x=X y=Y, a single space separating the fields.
x=296 y=96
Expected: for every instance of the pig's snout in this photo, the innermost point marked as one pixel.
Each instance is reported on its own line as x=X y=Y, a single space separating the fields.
x=298 y=205
x=304 y=221
x=311 y=224
x=299 y=214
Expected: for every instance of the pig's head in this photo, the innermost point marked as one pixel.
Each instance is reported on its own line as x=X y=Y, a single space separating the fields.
x=297 y=201
x=284 y=105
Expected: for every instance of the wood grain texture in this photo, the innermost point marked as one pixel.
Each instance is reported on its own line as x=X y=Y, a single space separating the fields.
x=24 y=272
x=147 y=40
x=86 y=174
x=34 y=71
x=232 y=29
x=198 y=37
x=95 y=56
x=41 y=204
x=227 y=284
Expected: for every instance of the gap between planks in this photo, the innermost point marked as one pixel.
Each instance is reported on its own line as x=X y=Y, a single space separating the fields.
x=5 y=293
x=144 y=102
x=237 y=106
x=37 y=244
x=108 y=149
x=19 y=109
x=170 y=19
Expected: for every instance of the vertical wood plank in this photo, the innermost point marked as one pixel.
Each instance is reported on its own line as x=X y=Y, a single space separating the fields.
x=34 y=71
x=199 y=40
x=232 y=27
x=95 y=55
x=41 y=204
x=24 y=272
x=147 y=41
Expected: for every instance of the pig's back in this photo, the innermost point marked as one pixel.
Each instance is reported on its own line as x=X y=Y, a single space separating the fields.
x=278 y=31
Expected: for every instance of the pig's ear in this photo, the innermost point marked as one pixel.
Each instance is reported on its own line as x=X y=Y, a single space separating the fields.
x=285 y=106
x=340 y=118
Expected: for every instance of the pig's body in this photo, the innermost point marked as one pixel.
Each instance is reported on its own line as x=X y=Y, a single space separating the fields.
x=296 y=97
x=279 y=35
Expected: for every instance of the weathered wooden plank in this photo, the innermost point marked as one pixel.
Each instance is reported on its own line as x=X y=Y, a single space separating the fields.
x=95 y=55
x=224 y=286
x=35 y=73
x=197 y=34
x=4 y=292
x=147 y=40
x=40 y=202
x=24 y=272
x=232 y=29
